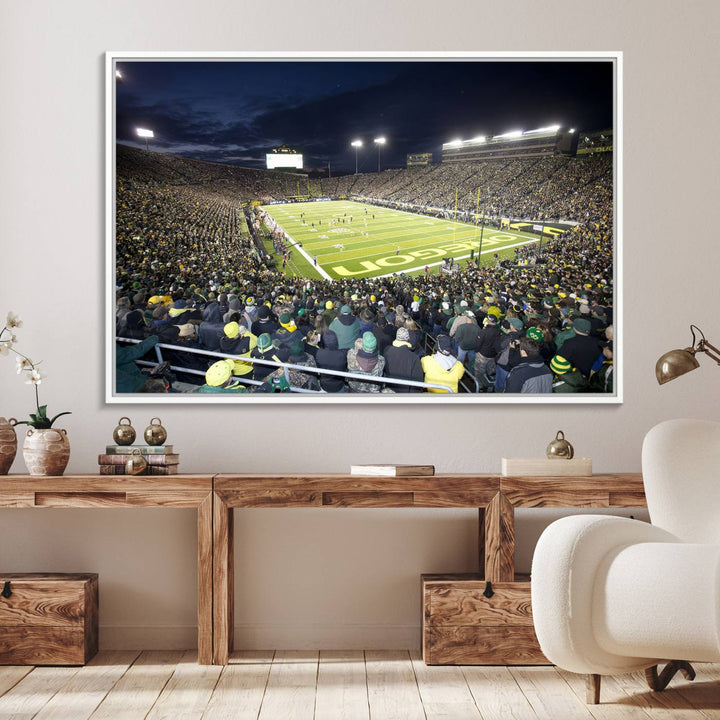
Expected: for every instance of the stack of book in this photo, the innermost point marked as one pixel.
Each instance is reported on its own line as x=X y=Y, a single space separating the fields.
x=160 y=459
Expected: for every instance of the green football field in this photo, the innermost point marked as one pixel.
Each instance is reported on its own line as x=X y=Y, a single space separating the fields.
x=344 y=239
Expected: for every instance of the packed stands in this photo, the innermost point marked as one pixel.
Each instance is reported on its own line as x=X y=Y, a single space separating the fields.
x=188 y=266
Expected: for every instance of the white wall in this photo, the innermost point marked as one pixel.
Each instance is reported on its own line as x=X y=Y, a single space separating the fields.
x=330 y=578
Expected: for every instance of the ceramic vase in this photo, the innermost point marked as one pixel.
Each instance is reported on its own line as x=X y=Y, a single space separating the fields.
x=8 y=444
x=47 y=451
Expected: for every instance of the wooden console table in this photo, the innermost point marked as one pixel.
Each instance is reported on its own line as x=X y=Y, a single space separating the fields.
x=495 y=497
x=127 y=491
x=215 y=497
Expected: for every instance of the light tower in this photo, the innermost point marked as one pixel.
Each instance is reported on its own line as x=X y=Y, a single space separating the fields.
x=379 y=141
x=356 y=144
x=143 y=133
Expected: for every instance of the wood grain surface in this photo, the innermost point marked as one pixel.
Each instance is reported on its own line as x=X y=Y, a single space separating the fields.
x=101 y=483
x=223 y=580
x=49 y=619
x=353 y=490
x=502 y=645
x=463 y=603
x=43 y=601
x=499 y=540
x=29 y=645
x=205 y=579
x=610 y=490
x=127 y=491
x=346 y=688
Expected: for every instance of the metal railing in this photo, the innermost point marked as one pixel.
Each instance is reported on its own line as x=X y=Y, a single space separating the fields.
x=430 y=346
x=286 y=368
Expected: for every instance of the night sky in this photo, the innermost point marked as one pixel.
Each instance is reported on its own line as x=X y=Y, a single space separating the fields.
x=236 y=111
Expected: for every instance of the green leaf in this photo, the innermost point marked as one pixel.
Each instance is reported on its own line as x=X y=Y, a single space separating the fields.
x=67 y=412
x=42 y=411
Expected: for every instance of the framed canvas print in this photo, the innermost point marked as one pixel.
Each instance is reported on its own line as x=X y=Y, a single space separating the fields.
x=396 y=227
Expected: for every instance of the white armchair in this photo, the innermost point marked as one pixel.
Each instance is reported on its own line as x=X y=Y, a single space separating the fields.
x=613 y=595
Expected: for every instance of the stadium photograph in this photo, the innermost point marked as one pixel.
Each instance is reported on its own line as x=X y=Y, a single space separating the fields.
x=419 y=229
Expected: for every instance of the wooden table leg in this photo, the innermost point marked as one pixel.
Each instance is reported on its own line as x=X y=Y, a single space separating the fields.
x=481 y=541
x=223 y=581
x=205 y=580
x=499 y=518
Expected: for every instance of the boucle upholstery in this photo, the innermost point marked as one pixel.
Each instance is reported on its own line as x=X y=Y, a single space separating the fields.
x=612 y=595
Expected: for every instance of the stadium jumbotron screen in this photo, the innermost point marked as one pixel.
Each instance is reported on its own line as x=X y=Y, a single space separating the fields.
x=456 y=251
x=276 y=161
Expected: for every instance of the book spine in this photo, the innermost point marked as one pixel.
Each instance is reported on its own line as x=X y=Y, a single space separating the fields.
x=162 y=470
x=173 y=459
x=372 y=471
x=149 y=470
x=144 y=449
x=112 y=469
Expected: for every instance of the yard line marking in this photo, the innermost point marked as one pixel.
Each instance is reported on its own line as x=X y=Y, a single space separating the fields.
x=306 y=256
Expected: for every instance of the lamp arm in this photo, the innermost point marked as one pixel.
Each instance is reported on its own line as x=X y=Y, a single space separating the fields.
x=709 y=350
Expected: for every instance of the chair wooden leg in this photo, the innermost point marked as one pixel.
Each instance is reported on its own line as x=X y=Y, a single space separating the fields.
x=592 y=689
x=660 y=682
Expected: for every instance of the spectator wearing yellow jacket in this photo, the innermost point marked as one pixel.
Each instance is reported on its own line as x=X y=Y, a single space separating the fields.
x=443 y=367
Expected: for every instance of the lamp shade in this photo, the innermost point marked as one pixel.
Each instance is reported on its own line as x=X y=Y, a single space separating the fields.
x=675 y=363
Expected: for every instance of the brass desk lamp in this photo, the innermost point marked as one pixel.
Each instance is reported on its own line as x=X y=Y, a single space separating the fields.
x=677 y=362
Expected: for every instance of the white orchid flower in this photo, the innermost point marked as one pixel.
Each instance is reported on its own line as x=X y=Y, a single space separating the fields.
x=13 y=320
x=35 y=377
x=23 y=364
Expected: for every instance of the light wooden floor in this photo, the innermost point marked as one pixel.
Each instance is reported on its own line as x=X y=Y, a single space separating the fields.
x=370 y=685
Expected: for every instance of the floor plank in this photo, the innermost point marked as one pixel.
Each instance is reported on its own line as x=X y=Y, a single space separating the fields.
x=548 y=694
x=444 y=691
x=703 y=693
x=615 y=703
x=342 y=686
x=11 y=675
x=392 y=688
x=251 y=657
x=188 y=692
x=139 y=688
x=666 y=705
x=497 y=694
x=290 y=691
x=346 y=685
x=88 y=687
x=34 y=691
x=240 y=691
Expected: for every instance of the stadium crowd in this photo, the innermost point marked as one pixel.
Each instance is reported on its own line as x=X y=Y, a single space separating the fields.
x=189 y=274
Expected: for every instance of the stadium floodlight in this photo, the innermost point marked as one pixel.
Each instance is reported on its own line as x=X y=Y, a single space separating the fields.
x=379 y=141
x=356 y=144
x=572 y=130
x=143 y=133
x=479 y=139
x=549 y=128
x=510 y=135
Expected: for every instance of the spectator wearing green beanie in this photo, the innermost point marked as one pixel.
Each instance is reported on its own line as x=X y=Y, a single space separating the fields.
x=363 y=359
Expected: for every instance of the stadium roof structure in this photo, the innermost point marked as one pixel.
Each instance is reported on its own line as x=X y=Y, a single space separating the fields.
x=284 y=150
x=549 y=140
x=593 y=142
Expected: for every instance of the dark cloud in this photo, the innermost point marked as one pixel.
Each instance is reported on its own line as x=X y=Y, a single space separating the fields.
x=236 y=112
